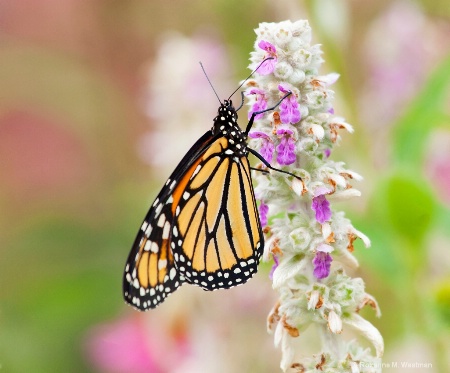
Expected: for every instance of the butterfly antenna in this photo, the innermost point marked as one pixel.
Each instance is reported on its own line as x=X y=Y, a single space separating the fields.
x=248 y=77
x=209 y=81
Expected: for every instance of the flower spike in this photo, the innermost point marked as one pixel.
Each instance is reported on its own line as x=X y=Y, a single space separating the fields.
x=310 y=241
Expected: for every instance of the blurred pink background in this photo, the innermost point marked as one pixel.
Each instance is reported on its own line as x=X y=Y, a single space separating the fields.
x=99 y=100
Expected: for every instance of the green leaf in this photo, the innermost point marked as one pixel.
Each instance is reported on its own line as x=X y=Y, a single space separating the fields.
x=410 y=207
x=425 y=114
x=442 y=300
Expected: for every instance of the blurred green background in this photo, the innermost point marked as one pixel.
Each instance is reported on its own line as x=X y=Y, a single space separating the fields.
x=98 y=102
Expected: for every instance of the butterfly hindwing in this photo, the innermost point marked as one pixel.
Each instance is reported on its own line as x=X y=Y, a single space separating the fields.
x=219 y=239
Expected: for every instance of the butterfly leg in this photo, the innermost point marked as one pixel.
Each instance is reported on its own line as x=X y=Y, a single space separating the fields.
x=252 y=118
x=267 y=164
x=259 y=170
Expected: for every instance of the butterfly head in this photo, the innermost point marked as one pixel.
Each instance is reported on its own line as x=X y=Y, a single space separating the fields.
x=226 y=119
x=228 y=108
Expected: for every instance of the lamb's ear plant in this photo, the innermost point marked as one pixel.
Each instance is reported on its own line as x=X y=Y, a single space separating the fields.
x=309 y=240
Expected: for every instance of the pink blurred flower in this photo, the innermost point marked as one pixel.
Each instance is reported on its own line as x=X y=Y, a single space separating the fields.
x=40 y=156
x=437 y=165
x=127 y=346
x=121 y=347
x=399 y=57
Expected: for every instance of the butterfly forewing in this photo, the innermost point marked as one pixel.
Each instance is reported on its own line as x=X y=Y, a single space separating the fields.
x=150 y=274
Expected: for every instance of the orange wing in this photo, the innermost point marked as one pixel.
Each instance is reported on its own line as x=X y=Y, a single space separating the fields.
x=150 y=272
x=217 y=239
x=203 y=228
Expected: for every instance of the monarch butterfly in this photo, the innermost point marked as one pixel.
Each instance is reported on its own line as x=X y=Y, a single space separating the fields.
x=203 y=228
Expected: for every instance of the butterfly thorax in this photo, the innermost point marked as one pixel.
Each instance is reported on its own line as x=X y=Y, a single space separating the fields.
x=225 y=123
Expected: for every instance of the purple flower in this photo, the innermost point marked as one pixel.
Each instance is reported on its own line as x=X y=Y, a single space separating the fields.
x=327 y=152
x=289 y=111
x=286 y=147
x=274 y=267
x=320 y=205
x=322 y=261
x=267 y=147
x=260 y=103
x=268 y=66
x=263 y=210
